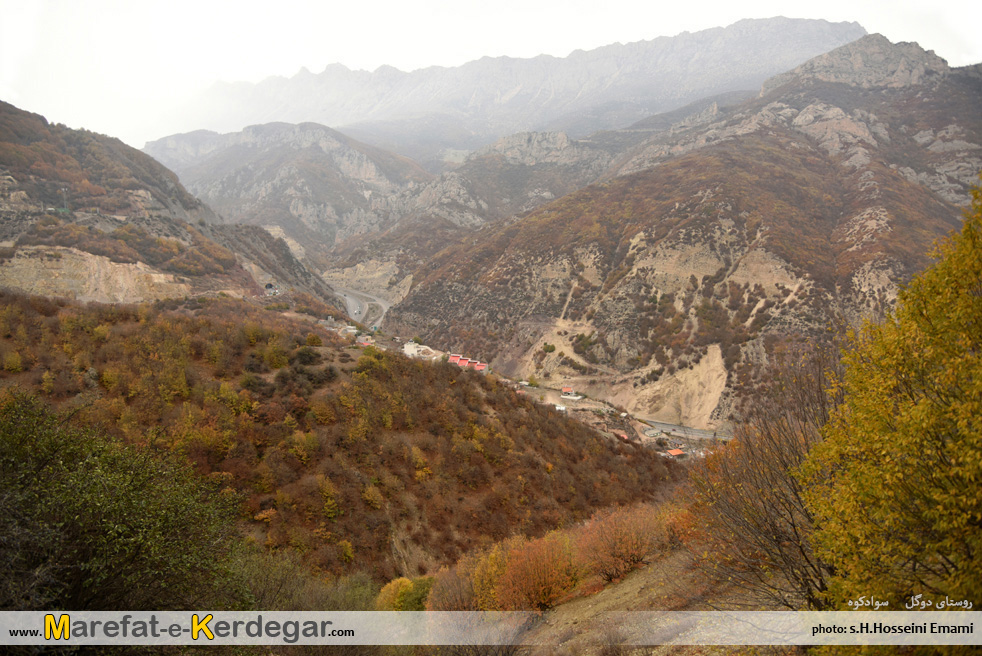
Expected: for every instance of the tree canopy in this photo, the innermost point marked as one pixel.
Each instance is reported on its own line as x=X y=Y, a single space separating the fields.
x=894 y=484
x=88 y=523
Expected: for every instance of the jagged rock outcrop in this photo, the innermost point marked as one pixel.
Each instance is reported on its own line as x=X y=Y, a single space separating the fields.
x=869 y=62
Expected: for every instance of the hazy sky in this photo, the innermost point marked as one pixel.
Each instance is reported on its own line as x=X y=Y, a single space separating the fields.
x=118 y=66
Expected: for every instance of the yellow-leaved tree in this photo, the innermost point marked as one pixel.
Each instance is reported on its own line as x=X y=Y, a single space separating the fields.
x=894 y=487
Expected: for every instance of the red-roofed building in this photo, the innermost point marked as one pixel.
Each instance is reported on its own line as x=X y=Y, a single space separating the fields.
x=480 y=366
x=454 y=357
x=675 y=453
x=567 y=390
x=463 y=362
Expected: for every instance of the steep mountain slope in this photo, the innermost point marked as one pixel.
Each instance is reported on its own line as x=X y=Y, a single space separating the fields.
x=429 y=111
x=85 y=216
x=336 y=200
x=513 y=176
x=57 y=166
x=662 y=287
x=359 y=461
x=315 y=184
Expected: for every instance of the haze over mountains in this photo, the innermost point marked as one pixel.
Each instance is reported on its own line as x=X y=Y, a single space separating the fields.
x=329 y=191
x=661 y=286
x=691 y=266
x=431 y=113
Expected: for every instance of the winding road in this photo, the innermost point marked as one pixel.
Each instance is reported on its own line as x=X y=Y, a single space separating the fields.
x=364 y=308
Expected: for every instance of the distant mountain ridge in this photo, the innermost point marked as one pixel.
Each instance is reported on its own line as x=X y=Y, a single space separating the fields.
x=428 y=111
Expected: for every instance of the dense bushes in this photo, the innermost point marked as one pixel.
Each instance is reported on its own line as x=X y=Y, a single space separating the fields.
x=535 y=574
x=616 y=541
x=134 y=244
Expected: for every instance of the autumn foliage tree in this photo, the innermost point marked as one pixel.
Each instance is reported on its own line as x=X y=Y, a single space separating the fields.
x=750 y=502
x=91 y=524
x=894 y=486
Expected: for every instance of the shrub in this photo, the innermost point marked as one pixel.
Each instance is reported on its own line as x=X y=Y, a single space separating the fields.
x=415 y=597
x=373 y=497
x=614 y=542
x=388 y=598
x=537 y=575
x=453 y=589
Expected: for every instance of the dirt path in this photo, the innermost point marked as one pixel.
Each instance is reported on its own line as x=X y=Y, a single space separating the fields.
x=594 y=623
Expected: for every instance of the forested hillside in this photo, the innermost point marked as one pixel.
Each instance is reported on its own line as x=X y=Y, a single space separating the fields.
x=360 y=460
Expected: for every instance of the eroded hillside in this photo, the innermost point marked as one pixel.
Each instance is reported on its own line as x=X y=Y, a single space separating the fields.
x=84 y=216
x=711 y=240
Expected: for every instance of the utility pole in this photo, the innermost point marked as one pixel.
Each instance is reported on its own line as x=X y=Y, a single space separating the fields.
x=64 y=197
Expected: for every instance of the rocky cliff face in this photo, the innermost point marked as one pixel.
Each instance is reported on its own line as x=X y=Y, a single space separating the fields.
x=713 y=238
x=312 y=182
x=869 y=62
x=71 y=273
x=86 y=217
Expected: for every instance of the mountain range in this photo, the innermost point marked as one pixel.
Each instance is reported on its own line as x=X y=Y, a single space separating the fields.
x=433 y=113
x=665 y=284
x=657 y=265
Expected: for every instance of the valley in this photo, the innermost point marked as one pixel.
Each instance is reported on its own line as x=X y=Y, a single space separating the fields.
x=363 y=308
x=663 y=259
x=681 y=324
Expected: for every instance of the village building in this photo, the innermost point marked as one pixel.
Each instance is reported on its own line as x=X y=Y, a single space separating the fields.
x=419 y=351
